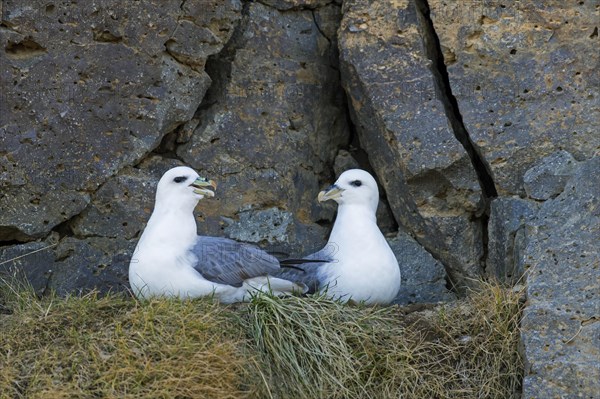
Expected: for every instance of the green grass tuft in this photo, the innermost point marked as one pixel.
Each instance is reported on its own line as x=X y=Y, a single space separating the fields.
x=317 y=348
x=112 y=346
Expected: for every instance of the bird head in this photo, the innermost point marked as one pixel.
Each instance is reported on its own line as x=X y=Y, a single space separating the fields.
x=181 y=185
x=353 y=187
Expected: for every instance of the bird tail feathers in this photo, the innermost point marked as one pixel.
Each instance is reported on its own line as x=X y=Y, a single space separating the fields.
x=274 y=285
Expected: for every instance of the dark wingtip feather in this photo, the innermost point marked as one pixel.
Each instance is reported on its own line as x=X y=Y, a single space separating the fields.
x=300 y=261
x=286 y=266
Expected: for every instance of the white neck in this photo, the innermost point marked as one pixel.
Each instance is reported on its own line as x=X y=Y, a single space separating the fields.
x=171 y=226
x=353 y=223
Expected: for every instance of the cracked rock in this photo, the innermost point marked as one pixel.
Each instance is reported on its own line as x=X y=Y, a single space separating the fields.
x=508 y=217
x=94 y=263
x=560 y=325
x=547 y=179
x=430 y=183
x=273 y=120
x=87 y=90
x=122 y=206
x=285 y=5
x=525 y=78
x=423 y=277
x=32 y=262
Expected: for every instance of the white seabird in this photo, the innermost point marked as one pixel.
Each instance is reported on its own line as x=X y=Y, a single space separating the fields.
x=172 y=260
x=361 y=265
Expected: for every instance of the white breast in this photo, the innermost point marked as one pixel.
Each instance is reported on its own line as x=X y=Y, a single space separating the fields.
x=366 y=269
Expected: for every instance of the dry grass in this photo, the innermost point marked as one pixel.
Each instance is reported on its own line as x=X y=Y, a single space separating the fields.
x=112 y=346
x=115 y=347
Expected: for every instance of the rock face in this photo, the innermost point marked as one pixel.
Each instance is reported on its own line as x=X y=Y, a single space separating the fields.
x=86 y=99
x=508 y=217
x=561 y=324
x=32 y=262
x=525 y=78
x=274 y=119
x=547 y=179
x=402 y=123
x=285 y=5
x=132 y=108
x=423 y=277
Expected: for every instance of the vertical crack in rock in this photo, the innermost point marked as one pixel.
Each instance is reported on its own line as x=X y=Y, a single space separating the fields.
x=362 y=158
x=319 y=27
x=352 y=146
x=218 y=71
x=442 y=81
x=167 y=148
x=218 y=68
x=444 y=90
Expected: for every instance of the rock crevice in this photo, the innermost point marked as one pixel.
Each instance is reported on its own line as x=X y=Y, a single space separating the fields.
x=403 y=125
x=444 y=91
x=480 y=165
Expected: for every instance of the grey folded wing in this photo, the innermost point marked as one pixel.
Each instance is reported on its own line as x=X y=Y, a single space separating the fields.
x=310 y=275
x=226 y=261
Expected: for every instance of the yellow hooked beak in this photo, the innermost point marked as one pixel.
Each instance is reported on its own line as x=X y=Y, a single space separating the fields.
x=200 y=185
x=330 y=193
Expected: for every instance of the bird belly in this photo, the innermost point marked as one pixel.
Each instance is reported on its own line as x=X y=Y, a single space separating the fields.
x=360 y=279
x=166 y=277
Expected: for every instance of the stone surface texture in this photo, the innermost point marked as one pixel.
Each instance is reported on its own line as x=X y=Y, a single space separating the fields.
x=561 y=323
x=525 y=76
x=88 y=89
x=508 y=217
x=285 y=5
x=401 y=122
x=274 y=119
x=547 y=179
x=423 y=277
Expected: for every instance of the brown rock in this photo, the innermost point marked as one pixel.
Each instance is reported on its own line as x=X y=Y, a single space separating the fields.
x=525 y=78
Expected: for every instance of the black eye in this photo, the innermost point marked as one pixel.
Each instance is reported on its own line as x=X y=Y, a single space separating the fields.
x=356 y=183
x=179 y=179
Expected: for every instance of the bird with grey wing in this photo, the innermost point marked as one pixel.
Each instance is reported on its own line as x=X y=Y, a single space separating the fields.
x=360 y=265
x=172 y=260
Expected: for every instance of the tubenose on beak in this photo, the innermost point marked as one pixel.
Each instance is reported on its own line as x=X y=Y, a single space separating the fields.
x=201 y=185
x=330 y=193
